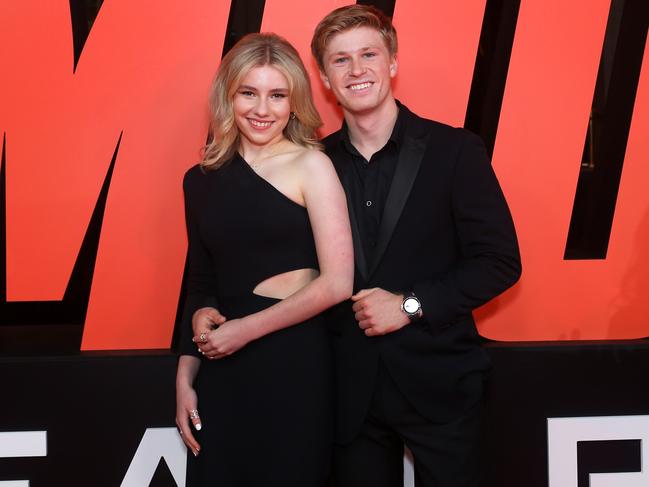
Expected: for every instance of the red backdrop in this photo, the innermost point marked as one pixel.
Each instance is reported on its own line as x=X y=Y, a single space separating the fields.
x=144 y=73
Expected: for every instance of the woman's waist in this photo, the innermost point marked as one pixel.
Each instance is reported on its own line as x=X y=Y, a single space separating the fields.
x=263 y=290
x=234 y=307
x=237 y=306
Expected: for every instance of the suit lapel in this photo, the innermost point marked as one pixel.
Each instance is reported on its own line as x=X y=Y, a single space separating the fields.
x=410 y=157
x=342 y=165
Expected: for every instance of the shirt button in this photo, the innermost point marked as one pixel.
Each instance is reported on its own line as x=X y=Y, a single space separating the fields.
x=368 y=203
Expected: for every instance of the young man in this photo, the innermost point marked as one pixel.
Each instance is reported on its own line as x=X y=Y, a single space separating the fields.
x=433 y=239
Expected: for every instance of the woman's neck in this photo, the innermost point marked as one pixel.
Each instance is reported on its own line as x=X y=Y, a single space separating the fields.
x=255 y=153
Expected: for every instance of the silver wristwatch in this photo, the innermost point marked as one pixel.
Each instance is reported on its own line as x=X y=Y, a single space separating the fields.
x=411 y=306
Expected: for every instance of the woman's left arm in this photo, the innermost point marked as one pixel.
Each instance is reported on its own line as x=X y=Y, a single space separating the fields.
x=327 y=208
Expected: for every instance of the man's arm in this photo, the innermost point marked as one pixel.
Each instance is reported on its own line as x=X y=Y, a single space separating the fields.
x=200 y=279
x=489 y=260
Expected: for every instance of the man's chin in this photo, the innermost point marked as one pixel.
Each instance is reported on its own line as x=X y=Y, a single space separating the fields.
x=360 y=107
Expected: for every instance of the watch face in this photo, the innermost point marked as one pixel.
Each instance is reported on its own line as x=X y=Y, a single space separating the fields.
x=411 y=305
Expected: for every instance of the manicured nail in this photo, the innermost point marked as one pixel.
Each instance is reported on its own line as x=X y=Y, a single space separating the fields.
x=198 y=426
x=195 y=453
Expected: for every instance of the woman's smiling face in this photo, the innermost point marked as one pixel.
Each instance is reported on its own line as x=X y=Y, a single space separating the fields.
x=262 y=106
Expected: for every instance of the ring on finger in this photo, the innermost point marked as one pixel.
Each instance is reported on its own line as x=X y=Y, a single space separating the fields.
x=202 y=337
x=193 y=414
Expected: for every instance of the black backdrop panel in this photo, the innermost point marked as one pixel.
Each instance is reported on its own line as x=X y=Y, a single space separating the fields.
x=96 y=409
x=531 y=383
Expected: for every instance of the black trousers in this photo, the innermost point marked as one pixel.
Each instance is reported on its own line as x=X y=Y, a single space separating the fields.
x=445 y=455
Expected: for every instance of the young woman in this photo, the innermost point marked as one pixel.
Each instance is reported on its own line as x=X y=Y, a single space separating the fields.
x=269 y=249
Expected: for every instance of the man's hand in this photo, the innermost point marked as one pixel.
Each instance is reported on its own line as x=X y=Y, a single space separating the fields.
x=379 y=311
x=205 y=319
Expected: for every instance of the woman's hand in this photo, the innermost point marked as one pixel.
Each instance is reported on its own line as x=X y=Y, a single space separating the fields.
x=186 y=412
x=186 y=401
x=225 y=340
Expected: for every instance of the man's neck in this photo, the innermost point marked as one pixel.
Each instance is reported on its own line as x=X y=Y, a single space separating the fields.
x=370 y=131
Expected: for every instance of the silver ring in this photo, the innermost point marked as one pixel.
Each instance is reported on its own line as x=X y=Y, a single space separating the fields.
x=193 y=414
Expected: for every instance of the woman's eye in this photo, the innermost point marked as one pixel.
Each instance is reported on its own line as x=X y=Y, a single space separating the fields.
x=340 y=60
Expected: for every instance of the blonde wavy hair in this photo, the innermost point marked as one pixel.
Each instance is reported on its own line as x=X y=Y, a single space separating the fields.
x=256 y=50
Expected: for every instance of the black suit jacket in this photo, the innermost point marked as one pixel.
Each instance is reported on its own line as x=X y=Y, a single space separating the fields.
x=447 y=234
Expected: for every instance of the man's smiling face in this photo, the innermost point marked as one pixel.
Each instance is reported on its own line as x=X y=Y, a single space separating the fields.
x=358 y=68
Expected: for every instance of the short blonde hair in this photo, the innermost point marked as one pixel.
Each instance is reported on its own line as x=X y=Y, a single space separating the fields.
x=256 y=50
x=350 y=17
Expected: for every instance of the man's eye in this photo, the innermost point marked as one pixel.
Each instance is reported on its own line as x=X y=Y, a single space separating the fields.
x=340 y=60
x=369 y=54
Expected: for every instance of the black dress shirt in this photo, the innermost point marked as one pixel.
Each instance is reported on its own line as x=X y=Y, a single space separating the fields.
x=370 y=183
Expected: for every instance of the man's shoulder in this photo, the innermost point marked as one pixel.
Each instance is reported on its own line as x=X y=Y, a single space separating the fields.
x=414 y=127
x=333 y=147
x=434 y=130
x=332 y=139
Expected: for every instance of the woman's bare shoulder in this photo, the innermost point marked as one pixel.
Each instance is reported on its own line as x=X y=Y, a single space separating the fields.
x=311 y=160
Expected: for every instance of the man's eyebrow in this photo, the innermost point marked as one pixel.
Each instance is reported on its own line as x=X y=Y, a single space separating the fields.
x=360 y=49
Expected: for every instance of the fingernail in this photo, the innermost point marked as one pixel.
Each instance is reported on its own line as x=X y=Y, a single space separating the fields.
x=198 y=426
x=195 y=453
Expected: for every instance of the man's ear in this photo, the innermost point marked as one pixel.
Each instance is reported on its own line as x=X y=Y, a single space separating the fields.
x=394 y=66
x=325 y=80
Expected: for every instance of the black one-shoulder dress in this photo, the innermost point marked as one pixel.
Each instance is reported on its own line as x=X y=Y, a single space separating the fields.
x=267 y=409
